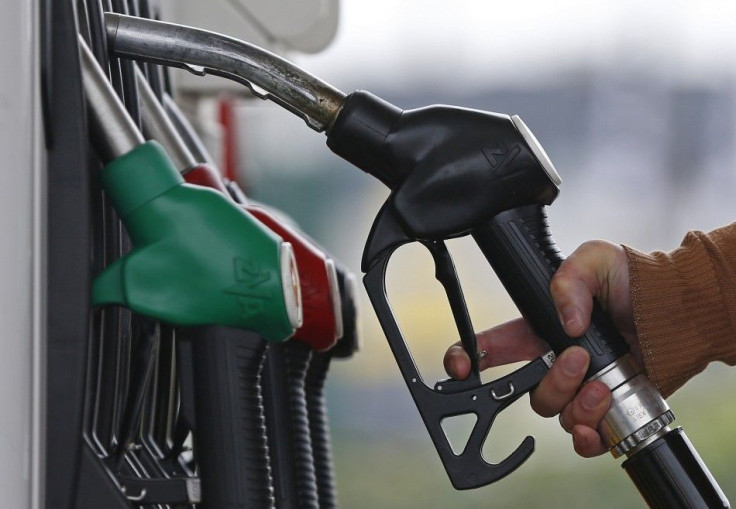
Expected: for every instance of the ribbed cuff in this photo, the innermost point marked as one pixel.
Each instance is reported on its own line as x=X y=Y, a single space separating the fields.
x=685 y=307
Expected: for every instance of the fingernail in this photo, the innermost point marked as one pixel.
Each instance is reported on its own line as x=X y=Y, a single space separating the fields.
x=591 y=398
x=455 y=361
x=573 y=362
x=572 y=318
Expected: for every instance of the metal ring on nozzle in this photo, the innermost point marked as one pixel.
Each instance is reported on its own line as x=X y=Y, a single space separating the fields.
x=290 y=285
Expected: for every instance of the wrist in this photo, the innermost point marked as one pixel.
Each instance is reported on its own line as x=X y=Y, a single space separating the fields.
x=679 y=313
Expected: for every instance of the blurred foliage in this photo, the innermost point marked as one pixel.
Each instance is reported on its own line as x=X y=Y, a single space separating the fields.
x=386 y=469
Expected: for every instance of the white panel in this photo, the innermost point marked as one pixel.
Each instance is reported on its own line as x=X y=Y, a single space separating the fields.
x=218 y=16
x=19 y=468
x=307 y=26
x=279 y=26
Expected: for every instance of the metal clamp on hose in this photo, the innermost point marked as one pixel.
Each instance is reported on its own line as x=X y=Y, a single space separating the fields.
x=638 y=413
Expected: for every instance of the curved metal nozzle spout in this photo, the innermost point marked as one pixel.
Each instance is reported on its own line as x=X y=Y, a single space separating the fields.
x=202 y=52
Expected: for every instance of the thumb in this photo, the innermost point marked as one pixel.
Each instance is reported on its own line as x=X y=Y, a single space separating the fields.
x=584 y=275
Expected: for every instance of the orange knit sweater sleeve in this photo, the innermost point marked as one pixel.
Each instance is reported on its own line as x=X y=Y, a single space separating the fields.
x=685 y=306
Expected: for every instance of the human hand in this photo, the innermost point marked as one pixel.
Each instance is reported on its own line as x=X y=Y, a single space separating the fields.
x=597 y=269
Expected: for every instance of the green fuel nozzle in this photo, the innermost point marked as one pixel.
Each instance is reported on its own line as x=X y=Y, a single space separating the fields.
x=197 y=259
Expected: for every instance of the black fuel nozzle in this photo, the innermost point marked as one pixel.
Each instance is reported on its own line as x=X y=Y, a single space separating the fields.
x=449 y=168
x=454 y=171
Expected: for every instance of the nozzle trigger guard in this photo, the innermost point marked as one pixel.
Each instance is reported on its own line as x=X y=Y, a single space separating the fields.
x=449 y=398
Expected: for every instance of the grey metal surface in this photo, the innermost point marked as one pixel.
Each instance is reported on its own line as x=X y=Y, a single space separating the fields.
x=158 y=126
x=617 y=373
x=290 y=285
x=113 y=131
x=538 y=150
x=22 y=252
x=637 y=412
x=202 y=52
x=635 y=405
x=335 y=297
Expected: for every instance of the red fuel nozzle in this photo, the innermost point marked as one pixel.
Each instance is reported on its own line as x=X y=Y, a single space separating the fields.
x=322 y=315
x=322 y=324
x=206 y=176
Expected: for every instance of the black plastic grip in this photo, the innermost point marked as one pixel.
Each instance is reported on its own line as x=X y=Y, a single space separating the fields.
x=290 y=444
x=319 y=429
x=359 y=135
x=230 y=435
x=670 y=475
x=519 y=246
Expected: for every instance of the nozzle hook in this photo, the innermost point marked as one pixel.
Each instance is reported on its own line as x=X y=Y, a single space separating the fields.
x=450 y=398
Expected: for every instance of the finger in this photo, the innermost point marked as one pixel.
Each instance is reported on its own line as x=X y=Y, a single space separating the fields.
x=561 y=383
x=572 y=288
x=587 y=442
x=457 y=362
x=509 y=342
x=588 y=408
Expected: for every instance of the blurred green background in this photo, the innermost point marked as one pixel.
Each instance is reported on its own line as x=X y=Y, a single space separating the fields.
x=635 y=104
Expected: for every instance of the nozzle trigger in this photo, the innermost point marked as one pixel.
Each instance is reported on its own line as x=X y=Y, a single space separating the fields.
x=450 y=398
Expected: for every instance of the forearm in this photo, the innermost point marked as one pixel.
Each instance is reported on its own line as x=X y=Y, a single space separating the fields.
x=685 y=306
